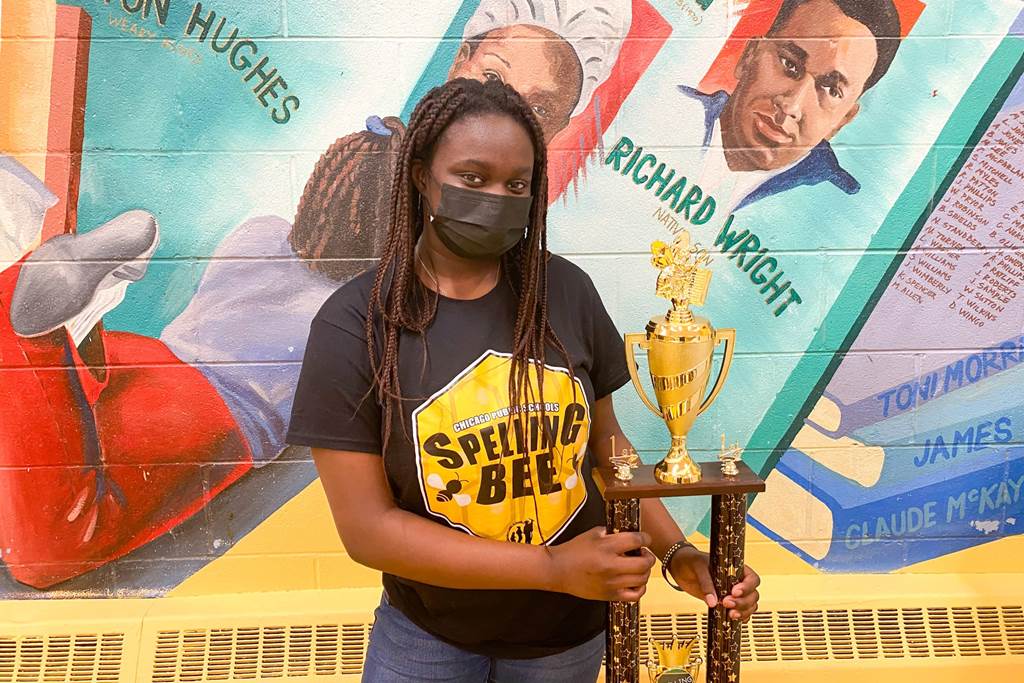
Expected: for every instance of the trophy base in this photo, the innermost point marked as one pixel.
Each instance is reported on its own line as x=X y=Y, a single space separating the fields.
x=722 y=655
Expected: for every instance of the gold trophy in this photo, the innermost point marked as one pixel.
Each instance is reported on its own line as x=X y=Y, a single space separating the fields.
x=679 y=349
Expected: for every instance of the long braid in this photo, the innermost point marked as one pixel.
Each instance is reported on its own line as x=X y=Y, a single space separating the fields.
x=399 y=301
x=338 y=228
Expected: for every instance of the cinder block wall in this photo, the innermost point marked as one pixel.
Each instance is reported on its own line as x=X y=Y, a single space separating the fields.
x=183 y=183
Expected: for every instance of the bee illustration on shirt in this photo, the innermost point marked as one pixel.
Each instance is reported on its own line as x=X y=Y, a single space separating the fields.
x=450 y=491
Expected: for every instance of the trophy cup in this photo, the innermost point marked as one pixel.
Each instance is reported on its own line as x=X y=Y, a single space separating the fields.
x=680 y=347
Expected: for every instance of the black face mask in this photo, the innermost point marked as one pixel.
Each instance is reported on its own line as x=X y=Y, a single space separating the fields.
x=478 y=225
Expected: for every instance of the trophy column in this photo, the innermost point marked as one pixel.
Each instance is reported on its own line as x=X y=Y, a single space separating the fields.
x=622 y=637
x=728 y=492
x=680 y=347
x=728 y=518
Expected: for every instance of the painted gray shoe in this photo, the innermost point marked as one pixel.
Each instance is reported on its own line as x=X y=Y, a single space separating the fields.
x=73 y=280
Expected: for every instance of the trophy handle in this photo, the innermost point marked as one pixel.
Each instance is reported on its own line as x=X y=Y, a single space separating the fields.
x=727 y=335
x=638 y=339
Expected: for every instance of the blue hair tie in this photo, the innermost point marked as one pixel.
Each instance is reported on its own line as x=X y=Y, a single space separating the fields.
x=374 y=124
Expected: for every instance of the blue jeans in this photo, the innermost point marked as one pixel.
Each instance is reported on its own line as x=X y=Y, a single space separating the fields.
x=402 y=652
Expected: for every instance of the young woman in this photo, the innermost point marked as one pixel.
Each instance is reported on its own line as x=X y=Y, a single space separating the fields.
x=456 y=401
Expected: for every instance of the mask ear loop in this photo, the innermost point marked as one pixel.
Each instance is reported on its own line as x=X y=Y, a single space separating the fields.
x=425 y=208
x=425 y=211
x=419 y=257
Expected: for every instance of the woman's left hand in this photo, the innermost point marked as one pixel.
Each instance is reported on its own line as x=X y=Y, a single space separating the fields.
x=690 y=569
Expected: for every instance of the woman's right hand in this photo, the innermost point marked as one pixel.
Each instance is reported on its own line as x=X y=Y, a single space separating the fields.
x=595 y=566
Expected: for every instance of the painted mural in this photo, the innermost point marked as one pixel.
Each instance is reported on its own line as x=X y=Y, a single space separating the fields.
x=913 y=449
x=182 y=184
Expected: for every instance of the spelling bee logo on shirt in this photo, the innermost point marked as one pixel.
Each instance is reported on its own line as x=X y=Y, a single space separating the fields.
x=508 y=479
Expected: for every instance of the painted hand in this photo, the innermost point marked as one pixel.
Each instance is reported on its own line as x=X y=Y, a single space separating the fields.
x=690 y=570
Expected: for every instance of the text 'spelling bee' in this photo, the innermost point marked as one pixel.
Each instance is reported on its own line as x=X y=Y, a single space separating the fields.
x=450 y=491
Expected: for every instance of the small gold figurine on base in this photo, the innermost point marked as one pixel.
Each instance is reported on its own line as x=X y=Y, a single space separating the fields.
x=624 y=462
x=729 y=457
x=677 y=662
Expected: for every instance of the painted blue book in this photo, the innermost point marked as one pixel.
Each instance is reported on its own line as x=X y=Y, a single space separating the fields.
x=838 y=525
x=833 y=416
x=950 y=434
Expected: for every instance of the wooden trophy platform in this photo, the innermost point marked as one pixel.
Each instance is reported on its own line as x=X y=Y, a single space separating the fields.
x=644 y=485
x=728 y=520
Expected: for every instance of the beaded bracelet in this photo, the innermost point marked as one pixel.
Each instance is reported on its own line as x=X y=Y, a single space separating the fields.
x=667 y=559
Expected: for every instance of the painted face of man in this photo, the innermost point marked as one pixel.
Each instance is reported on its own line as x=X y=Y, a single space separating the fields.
x=539 y=64
x=797 y=87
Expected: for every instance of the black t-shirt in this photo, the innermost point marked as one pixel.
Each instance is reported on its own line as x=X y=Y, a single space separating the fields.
x=458 y=462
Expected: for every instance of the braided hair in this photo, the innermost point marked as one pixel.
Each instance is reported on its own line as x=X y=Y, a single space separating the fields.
x=339 y=226
x=400 y=302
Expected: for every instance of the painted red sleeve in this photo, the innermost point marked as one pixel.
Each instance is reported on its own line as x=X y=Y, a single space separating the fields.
x=91 y=470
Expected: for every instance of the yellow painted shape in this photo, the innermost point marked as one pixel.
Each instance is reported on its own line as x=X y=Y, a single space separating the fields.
x=302 y=525
x=297 y=547
x=253 y=574
x=826 y=414
x=293 y=537
x=341 y=571
x=850 y=458
x=795 y=514
x=766 y=556
x=1003 y=556
x=27 y=29
x=302 y=532
x=471 y=491
x=763 y=555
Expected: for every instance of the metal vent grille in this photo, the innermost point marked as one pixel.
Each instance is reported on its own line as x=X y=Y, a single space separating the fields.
x=325 y=651
x=259 y=652
x=82 y=657
x=306 y=651
x=862 y=633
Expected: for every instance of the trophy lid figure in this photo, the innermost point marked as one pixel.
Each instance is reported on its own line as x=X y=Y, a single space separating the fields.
x=683 y=279
x=624 y=464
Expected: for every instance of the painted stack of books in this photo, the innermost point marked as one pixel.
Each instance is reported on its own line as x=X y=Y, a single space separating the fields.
x=915 y=453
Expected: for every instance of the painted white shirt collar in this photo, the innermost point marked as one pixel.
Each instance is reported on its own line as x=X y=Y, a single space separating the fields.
x=730 y=187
